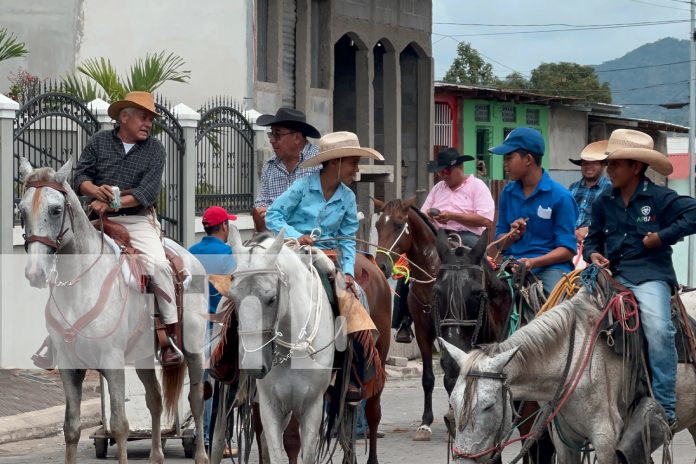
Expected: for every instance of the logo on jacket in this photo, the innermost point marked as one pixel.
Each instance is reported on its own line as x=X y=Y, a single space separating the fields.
x=645 y=210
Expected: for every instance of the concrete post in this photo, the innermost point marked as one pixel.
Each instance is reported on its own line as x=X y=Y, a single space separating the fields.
x=188 y=119
x=364 y=128
x=392 y=123
x=99 y=109
x=8 y=111
x=426 y=109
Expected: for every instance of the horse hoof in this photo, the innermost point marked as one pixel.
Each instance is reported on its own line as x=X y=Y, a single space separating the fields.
x=423 y=433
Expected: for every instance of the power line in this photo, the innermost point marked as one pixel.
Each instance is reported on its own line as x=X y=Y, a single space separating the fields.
x=639 y=23
x=658 y=5
x=572 y=29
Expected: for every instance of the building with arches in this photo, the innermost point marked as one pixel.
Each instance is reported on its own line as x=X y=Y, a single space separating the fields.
x=359 y=65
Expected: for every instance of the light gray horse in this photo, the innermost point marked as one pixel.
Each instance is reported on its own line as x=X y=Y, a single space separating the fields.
x=84 y=274
x=286 y=339
x=529 y=366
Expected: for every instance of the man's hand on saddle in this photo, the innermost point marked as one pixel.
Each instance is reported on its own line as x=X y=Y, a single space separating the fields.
x=305 y=240
x=350 y=284
x=99 y=207
x=581 y=233
x=102 y=193
x=599 y=260
x=529 y=264
x=262 y=211
x=652 y=240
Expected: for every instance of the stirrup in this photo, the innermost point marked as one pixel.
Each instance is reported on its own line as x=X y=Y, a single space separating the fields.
x=44 y=361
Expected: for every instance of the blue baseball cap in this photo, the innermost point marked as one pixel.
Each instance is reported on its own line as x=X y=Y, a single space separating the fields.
x=522 y=138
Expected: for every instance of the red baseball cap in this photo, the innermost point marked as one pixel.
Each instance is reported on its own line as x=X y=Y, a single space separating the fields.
x=216 y=215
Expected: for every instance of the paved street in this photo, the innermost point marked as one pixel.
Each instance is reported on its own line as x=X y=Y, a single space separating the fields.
x=402 y=402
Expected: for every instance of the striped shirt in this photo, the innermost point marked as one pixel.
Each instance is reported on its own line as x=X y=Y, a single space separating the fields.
x=275 y=178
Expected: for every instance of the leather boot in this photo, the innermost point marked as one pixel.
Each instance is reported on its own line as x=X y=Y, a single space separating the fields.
x=171 y=355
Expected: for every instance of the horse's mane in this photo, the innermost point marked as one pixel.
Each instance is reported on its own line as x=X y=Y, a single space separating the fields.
x=44 y=174
x=541 y=336
x=425 y=219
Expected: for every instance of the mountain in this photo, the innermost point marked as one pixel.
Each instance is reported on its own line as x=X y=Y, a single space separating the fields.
x=648 y=78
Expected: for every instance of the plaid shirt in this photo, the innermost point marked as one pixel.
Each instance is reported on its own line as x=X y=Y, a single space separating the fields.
x=104 y=161
x=585 y=198
x=275 y=178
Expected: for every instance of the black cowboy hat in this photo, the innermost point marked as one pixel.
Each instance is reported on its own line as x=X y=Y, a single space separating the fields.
x=291 y=119
x=447 y=158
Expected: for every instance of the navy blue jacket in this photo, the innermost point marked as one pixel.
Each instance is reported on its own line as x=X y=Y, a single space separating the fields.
x=617 y=231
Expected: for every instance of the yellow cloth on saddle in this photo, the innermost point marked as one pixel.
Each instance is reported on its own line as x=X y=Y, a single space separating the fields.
x=356 y=315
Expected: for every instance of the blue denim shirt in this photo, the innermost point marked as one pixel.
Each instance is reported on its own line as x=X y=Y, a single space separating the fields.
x=217 y=258
x=617 y=231
x=303 y=209
x=551 y=212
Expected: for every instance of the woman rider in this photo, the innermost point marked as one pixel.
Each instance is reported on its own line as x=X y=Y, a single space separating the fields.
x=322 y=206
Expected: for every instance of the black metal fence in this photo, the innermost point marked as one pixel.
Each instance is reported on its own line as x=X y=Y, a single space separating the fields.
x=225 y=157
x=170 y=205
x=50 y=128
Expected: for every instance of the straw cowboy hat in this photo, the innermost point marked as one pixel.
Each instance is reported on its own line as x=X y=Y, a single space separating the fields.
x=340 y=145
x=289 y=118
x=142 y=100
x=596 y=151
x=637 y=146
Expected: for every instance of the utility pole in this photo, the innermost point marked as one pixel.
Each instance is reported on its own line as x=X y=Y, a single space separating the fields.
x=692 y=133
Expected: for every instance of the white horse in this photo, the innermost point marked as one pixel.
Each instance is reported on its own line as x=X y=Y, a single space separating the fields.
x=529 y=367
x=286 y=339
x=96 y=316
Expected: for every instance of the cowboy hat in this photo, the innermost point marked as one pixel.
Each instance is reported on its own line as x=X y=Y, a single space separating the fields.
x=596 y=151
x=142 y=100
x=340 y=145
x=289 y=118
x=447 y=158
x=634 y=145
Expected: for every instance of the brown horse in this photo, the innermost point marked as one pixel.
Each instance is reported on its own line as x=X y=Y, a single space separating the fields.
x=403 y=229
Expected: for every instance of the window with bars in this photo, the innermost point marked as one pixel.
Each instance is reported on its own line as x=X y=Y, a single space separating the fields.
x=509 y=113
x=532 y=117
x=443 y=125
x=482 y=113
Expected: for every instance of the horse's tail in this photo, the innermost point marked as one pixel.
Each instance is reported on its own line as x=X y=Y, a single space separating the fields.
x=172 y=384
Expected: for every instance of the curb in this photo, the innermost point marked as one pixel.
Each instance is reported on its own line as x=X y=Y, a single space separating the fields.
x=46 y=422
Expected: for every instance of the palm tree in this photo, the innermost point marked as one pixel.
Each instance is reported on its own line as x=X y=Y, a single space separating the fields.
x=10 y=47
x=97 y=77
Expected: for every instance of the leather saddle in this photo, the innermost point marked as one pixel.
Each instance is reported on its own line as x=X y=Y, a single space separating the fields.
x=121 y=236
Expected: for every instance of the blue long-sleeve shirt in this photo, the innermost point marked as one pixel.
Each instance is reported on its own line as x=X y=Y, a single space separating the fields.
x=617 y=231
x=303 y=209
x=552 y=214
x=217 y=258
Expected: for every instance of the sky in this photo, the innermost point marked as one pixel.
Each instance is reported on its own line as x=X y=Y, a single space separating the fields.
x=524 y=52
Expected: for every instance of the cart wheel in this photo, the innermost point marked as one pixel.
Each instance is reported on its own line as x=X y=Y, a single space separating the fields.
x=100 y=447
x=189 y=444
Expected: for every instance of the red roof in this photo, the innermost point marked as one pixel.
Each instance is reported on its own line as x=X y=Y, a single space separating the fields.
x=680 y=162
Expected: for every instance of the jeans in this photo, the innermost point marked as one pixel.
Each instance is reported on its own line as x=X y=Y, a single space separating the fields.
x=469 y=239
x=654 y=298
x=549 y=278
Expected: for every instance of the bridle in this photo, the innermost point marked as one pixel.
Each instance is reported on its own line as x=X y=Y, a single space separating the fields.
x=68 y=212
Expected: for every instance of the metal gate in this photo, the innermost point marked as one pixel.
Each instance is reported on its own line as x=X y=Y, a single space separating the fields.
x=49 y=129
x=170 y=205
x=224 y=158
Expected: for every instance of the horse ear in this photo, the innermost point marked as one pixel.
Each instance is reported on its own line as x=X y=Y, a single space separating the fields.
x=458 y=355
x=278 y=243
x=379 y=203
x=25 y=167
x=235 y=239
x=479 y=249
x=408 y=203
x=498 y=363
x=64 y=171
x=442 y=243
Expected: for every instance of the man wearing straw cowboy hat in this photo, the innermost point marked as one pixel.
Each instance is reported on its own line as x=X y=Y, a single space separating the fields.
x=288 y=135
x=128 y=157
x=632 y=231
x=322 y=206
x=592 y=185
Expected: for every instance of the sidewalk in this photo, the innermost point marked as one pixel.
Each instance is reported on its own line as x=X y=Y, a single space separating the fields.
x=32 y=403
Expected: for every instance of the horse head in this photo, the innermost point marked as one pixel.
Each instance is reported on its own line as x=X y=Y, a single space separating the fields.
x=47 y=217
x=393 y=232
x=482 y=403
x=260 y=290
x=461 y=290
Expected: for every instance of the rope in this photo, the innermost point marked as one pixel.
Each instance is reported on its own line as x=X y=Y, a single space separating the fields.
x=564 y=289
x=400 y=268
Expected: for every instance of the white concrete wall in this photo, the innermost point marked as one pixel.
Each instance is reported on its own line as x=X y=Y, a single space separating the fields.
x=567 y=137
x=210 y=36
x=680 y=256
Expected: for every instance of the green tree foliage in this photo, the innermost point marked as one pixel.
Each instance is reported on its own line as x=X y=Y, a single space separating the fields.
x=569 y=80
x=10 y=47
x=514 y=81
x=470 y=68
x=97 y=77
